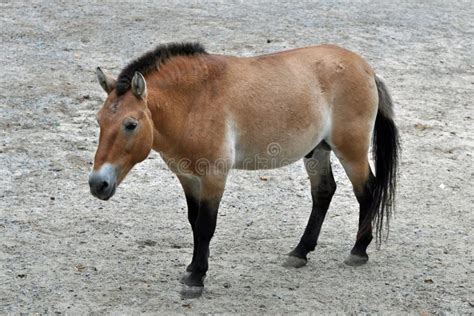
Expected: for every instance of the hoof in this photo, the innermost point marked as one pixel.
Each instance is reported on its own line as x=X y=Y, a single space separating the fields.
x=294 y=262
x=356 y=260
x=190 y=292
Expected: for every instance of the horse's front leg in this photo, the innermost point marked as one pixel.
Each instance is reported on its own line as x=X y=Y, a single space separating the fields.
x=192 y=191
x=211 y=190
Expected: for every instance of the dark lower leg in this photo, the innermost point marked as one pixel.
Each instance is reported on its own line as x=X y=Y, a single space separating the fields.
x=205 y=226
x=364 y=234
x=193 y=208
x=322 y=194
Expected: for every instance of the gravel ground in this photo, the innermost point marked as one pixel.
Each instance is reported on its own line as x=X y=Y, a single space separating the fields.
x=63 y=251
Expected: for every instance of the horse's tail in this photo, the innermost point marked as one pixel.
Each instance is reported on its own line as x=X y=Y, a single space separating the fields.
x=385 y=149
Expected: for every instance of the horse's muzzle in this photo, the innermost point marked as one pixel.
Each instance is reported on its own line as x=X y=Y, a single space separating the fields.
x=103 y=182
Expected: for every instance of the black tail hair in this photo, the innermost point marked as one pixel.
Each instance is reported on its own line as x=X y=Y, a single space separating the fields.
x=385 y=150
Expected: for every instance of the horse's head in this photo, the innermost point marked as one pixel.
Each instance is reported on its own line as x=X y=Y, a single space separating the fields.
x=126 y=134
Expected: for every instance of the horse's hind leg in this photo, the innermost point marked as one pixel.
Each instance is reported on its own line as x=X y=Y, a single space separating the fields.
x=323 y=186
x=364 y=196
x=354 y=158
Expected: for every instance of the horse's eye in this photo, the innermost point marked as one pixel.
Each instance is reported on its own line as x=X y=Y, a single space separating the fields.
x=130 y=125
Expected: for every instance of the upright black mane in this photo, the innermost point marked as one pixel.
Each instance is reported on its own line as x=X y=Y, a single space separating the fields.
x=153 y=59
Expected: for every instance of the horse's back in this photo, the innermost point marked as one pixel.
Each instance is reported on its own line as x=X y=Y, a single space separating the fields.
x=292 y=100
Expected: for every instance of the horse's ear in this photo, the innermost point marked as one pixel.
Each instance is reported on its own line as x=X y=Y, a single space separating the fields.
x=106 y=82
x=139 y=85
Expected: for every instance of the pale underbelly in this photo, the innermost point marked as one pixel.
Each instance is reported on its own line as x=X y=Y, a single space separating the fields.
x=276 y=152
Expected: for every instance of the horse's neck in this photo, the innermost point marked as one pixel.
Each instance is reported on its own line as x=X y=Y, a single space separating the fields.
x=167 y=118
x=173 y=93
x=169 y=110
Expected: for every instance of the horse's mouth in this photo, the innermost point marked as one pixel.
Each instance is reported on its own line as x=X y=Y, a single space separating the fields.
x=105 y=196
x=103 y=182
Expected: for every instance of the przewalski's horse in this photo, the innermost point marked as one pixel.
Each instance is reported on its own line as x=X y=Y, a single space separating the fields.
x=206 y=114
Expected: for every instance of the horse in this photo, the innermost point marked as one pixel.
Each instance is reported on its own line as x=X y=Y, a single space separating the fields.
x=206 y=114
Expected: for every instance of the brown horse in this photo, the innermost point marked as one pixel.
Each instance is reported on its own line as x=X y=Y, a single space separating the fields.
x=206 y=114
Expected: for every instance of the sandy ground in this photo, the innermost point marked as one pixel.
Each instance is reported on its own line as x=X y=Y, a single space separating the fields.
x=62 y=250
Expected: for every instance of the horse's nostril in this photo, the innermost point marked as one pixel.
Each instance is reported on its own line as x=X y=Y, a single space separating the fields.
x=103 y=185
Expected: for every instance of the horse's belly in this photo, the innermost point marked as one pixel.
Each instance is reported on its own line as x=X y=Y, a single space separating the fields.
x=255 y=162
x=260 y=152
